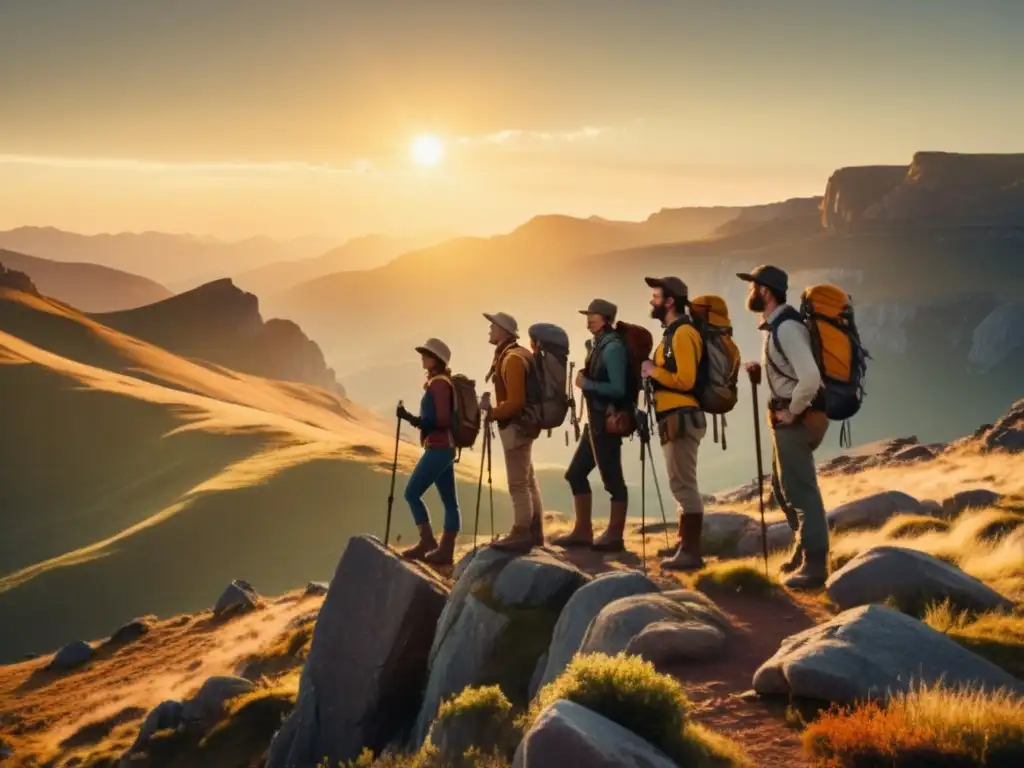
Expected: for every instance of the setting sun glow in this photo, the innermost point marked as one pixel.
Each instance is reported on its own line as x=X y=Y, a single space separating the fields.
x=427 y=150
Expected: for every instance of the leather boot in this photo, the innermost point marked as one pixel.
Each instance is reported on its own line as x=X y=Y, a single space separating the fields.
x=812 y=574
x=796 y=559
x=611 y=539
x=582 y=534
x=687 y=557
x=669 y=551
x=537 y=529
x=427 y=543
x=518 y=540
x=445 y=552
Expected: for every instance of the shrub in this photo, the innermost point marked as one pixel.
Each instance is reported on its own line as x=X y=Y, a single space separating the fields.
x=478 y=720
x=928 y=726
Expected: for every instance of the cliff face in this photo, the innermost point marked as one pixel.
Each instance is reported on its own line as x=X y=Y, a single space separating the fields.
x=936 y=189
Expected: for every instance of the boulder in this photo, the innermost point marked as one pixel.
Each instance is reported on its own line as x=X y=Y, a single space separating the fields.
x=871 y=511
x=913 y=453
x=207 y=705
x=130 y=632
x=362 y=683
x=317 y=588
x=496 y=627
x=622 y=620
x=975 y=498
x=168 y=715
x=581 y=609
x=567 y=734
x=72 y=655
x=1007 y=434
x=665 y=642
x=910 y=577
x=872 y=652
x=722 y=531
x=239 y=597
x=780 y=536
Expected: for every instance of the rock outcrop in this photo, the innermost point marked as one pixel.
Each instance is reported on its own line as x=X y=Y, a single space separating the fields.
x=362 y=683
x=912 y=579
x=238 y=597
x=496 y=627
x=871 y=511
x=1007 y=434
x=852 y=191
x=873 y=652
x=17 y=281
x=566 y=734
x=72 y=655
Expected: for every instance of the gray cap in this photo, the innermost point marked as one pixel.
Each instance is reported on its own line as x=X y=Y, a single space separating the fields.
x=672 y=285
x=437 y=348
x=505 y=321
x=768 y=276
x=601 y=307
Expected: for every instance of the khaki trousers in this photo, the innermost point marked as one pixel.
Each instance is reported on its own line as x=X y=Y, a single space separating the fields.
x=522 y=480
x=795 y=479
x=681 y=463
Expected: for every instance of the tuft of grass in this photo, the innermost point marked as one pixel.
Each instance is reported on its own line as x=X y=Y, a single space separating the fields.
x=927 y=726
x=744 y=576
x=908 y=526
x=996 y=635
x=629 y=691
x=477 y=721
x=286 y=652
x=425 y=758
x=488 y=699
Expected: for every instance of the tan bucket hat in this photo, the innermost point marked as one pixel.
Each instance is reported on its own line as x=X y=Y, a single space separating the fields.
x=437 y=348
x=504 y=320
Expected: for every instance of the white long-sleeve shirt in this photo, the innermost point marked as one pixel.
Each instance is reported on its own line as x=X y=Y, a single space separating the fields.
x=800 y=378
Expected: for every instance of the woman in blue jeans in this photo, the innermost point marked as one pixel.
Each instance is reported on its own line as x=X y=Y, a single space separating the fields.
x=437 y=465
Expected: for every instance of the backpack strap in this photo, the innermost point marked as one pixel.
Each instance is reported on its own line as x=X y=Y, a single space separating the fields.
x=668 y=356
x=789 y=313
x=454 y=420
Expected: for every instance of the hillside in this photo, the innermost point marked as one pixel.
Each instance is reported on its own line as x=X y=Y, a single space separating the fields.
x=221 y=324
x=91 y=287
x=127 y=462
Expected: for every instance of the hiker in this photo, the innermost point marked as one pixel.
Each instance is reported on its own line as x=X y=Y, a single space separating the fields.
x=436 y=465
x=797 y=420
x=681 y=422
x=603 y=382
x=509 y=370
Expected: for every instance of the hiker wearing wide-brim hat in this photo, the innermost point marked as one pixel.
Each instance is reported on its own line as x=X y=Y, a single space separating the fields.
x=509 y=371
x=603 y=382
x=437 y=464
x=796 y=421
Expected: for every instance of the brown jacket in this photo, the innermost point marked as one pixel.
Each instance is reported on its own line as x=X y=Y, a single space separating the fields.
x=509 y=371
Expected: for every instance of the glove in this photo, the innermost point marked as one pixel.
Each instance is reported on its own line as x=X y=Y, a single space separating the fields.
x=403 y=414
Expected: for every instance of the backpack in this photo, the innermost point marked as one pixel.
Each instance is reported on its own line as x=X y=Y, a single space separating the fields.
x=827 y=312
x=639 y=344
x=718 y=371
x=466 y=418
x=547 y=398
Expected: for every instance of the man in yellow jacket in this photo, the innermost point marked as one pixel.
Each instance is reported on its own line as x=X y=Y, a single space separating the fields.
x=681 y=422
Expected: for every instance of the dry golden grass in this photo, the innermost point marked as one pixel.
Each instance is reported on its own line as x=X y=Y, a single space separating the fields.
x=743 y=576
x=929 y=726
x=996 y=635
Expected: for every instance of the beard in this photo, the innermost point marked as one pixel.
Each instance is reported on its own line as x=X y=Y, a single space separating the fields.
x=755 y=302
x=659 y=312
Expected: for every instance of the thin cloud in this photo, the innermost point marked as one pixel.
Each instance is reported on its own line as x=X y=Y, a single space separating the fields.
x=360 y=165
x=516 y=136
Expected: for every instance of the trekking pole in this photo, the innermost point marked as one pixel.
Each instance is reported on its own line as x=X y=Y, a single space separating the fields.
x=394 y=471
x=760 y=473
x=643 y=497
x=649 y=402
x=479 y=494
x=490 y=487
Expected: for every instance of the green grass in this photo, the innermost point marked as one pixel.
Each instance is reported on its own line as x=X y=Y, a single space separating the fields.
x=476 y=721
x=929 y=726
x=745 y=576
x=996 y=635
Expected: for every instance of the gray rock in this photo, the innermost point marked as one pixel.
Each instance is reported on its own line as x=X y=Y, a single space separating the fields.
x=581 y=609
x=239 y=597
x=317 y=588
x=72 y=655
x=913 y=453
x=129 y=632
x=871 y=511
x=722 y=531
x=780 y=536
x=929 y=507
x=207 y=705
x=1007 y=434
x=566 y=734
x=622 y=620
x=362 y=683
x=975 y=498
x=166 y=715
x=872 y=652
x=665 y=642
x=463 y=564
x=912 y=578
x=496 y=626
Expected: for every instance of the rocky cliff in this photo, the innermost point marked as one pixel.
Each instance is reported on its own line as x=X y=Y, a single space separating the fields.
x=18 y=281
x=851 y=191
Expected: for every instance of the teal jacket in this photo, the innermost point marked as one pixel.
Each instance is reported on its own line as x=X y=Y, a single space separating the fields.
x=606 y=371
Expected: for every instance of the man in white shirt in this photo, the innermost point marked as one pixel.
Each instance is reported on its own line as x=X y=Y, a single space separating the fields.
x=797 y=420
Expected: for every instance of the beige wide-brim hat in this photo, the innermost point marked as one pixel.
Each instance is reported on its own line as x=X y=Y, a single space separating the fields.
x=437 y=348
x=505 y=321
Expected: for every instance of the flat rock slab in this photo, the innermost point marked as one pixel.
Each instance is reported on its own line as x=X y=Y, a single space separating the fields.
x=566 y=735
x=871 y=511
x=872 y=652
x=363 y=681
x=585 y=604
x=912 y=578
x=496 y=627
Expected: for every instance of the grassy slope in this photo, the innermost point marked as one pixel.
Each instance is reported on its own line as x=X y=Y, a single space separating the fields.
x=228 y=476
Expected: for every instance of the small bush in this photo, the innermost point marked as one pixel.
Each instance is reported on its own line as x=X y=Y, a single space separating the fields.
x=740 y=576
x=996 y=635
x=477 y=721
x=929 y=726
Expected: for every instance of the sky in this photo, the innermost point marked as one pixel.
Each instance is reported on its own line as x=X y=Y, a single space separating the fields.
x=295 y=117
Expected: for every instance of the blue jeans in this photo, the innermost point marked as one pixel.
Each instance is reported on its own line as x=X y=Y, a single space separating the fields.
x=435 y=467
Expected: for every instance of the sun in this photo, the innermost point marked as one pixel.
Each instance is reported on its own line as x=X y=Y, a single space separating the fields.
x=427 y=150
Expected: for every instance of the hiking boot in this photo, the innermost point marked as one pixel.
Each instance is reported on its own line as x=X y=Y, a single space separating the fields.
x=687 y=557
x=582 y=534
x=537 y=529
x=427 y=544
x=517 y=540
x=670 y=551
x=796 y=559
x=812 y=574
x=444 y=554
x=611 y=539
